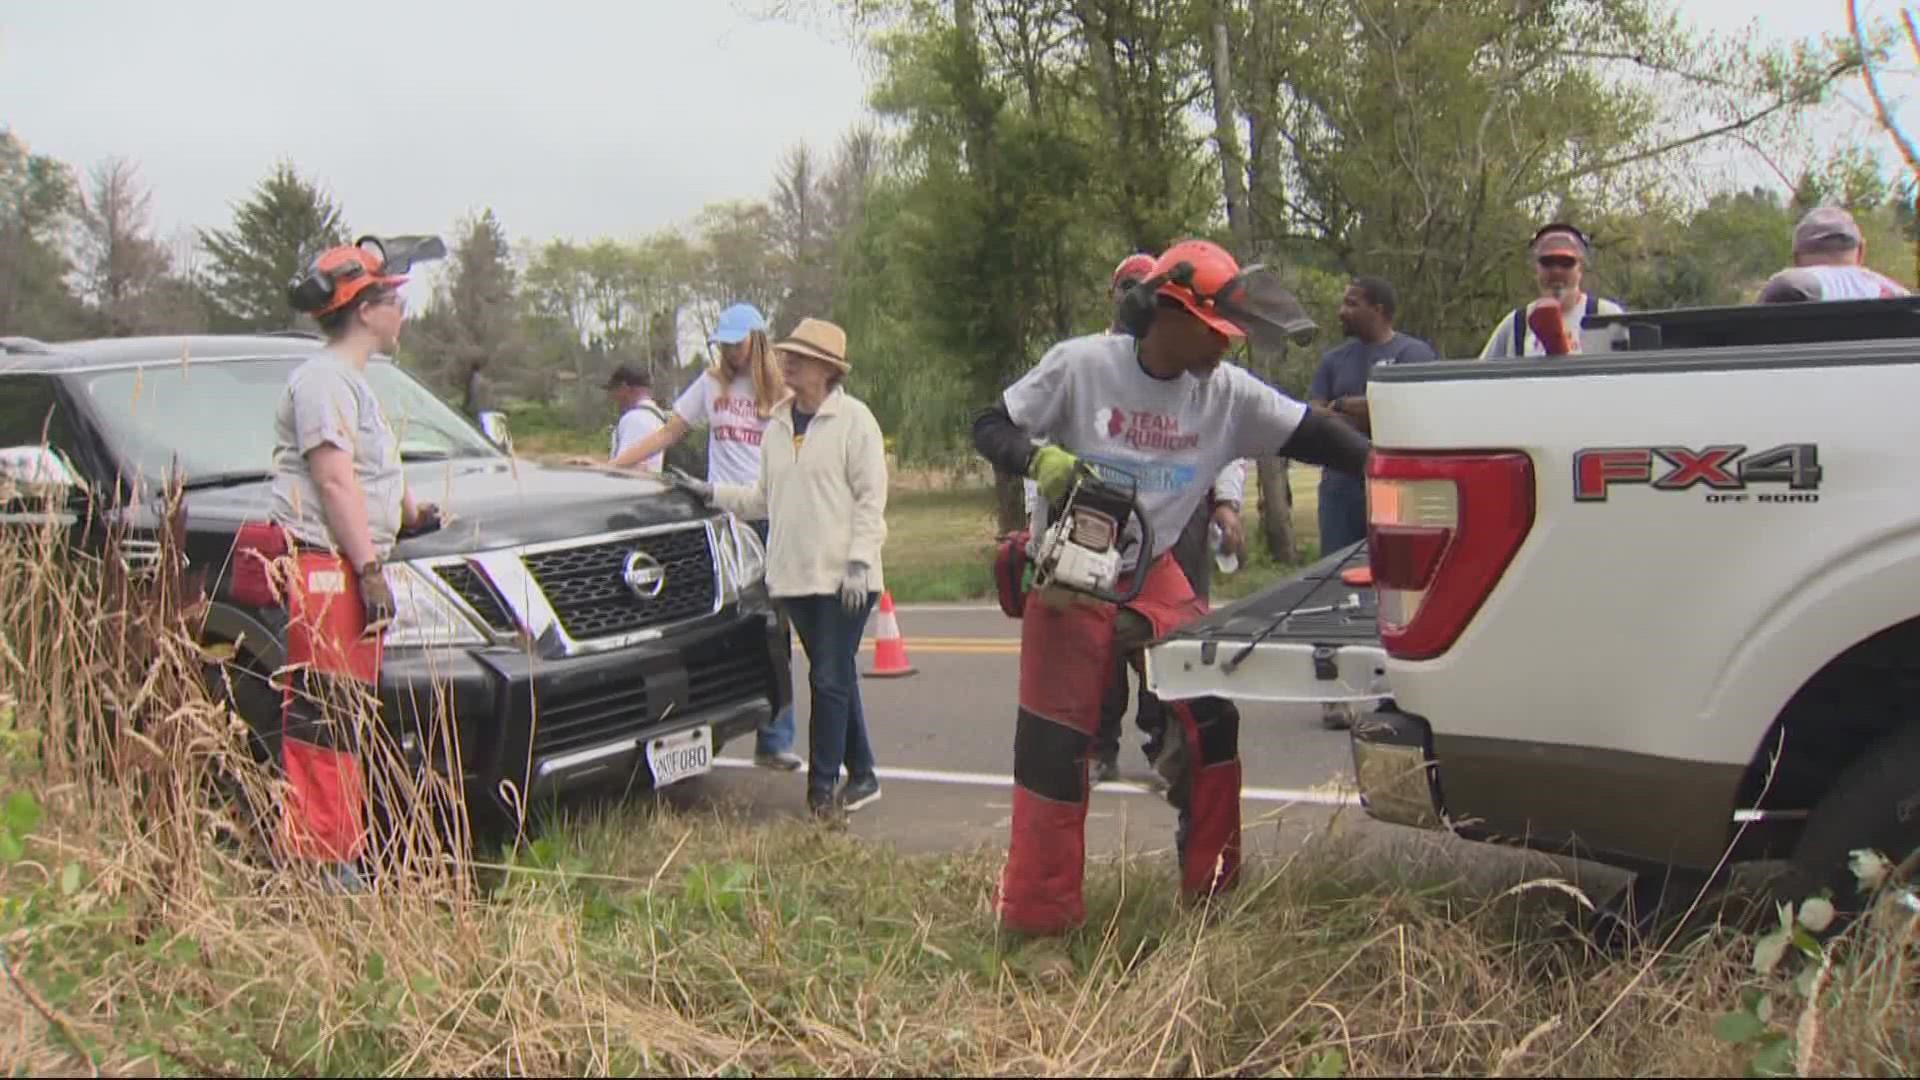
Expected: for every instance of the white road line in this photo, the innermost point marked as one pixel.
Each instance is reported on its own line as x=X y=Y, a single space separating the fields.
x=974 y=779
x=935 y=609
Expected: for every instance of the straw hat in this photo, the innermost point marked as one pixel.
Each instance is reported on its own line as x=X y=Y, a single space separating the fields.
x=820 y=340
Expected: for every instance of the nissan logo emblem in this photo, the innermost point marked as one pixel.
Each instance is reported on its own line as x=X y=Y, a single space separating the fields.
x=645 y=576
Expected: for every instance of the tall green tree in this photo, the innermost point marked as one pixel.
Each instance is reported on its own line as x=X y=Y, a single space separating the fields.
x=275 y=233
x=473 y=338
x=1425 y=139
x=38 y=201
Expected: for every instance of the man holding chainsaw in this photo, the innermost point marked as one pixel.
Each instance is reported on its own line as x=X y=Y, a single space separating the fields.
x=1155 y=412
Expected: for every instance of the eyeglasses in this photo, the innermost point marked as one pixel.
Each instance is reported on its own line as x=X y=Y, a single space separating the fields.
x=1559 y=262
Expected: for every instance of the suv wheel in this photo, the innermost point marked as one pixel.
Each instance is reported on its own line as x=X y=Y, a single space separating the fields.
x=1874 y=804
x=244 y=685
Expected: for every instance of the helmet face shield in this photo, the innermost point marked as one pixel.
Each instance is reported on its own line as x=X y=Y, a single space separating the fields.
x=1265 y=310
x=397 y=254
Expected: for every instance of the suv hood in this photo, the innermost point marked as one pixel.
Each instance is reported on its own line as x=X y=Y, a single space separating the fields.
x=494 y=504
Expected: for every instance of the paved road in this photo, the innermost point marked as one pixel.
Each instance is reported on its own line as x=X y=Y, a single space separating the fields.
x=944 y=740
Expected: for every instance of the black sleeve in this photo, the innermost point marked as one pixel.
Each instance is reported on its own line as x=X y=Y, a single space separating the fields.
x=1322 y=440
x=1001 y=441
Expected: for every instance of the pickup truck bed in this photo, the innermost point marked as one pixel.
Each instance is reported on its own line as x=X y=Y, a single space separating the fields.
x=1656 y=604
x=1318 y=641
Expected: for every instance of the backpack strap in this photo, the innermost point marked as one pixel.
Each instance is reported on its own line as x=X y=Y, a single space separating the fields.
x=1520 y=331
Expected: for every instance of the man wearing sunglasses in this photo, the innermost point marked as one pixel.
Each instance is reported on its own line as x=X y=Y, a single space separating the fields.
x=1559 y=254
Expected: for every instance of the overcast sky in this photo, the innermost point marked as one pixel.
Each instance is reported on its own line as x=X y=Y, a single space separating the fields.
x=568 y=117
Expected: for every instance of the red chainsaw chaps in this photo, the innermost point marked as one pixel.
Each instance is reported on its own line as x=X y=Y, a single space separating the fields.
x=1039 y=891
x=1210 y=854
x=1065 y=664
x=331 y=656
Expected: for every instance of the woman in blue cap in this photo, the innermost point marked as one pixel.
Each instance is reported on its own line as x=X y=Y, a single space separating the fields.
x=733 y=399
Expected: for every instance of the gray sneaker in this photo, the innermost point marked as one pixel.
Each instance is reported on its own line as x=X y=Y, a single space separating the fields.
x=860 y=792
x=784 y=761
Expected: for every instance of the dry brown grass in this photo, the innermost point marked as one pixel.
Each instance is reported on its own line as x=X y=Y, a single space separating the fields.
x=146 y=932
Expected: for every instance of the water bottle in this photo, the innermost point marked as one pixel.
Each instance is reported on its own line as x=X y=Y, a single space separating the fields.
x=1223 y=560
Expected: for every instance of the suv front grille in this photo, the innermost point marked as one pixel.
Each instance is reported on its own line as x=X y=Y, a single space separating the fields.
x=587 y=588
x=479 y=595
x=731 y=667
x=602 y=716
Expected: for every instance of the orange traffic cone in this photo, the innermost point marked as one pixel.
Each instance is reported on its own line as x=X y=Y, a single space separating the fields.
x=889 y=651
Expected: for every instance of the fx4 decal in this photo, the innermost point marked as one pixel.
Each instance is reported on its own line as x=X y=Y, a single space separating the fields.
x=1726 y=471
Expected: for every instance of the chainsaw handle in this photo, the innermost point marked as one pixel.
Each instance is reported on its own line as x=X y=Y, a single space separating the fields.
x=1132 y=591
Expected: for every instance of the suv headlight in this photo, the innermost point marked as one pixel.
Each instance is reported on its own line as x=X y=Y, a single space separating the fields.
x=423 y=615
x=743 y=559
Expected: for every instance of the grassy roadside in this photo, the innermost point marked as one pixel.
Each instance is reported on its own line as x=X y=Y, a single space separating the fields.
x=146 y=930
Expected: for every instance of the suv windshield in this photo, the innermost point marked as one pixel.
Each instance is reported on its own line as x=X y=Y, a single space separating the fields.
x=215 y=418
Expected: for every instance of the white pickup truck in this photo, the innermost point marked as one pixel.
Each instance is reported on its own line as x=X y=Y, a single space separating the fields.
x=1656 y=604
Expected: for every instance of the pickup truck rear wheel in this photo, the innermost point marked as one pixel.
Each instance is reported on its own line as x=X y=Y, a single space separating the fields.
x=1874 y=804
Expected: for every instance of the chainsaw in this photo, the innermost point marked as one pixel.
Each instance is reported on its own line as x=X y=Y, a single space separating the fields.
x=1081 y=551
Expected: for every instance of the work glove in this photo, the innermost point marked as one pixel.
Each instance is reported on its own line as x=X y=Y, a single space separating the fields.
x=375 y=596
x=699 y=489
x=1051 y=469
x=853 y=588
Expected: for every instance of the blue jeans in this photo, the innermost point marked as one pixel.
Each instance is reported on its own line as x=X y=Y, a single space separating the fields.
x=836 y=725
x=776 y=735
x=1343 y=515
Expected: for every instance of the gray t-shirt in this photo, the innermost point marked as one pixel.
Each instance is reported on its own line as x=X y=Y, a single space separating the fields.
x=328 y=402
x=1090 y=396
x=1805 y=283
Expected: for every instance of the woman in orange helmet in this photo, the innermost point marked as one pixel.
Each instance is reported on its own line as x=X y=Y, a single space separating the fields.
x=341 y=500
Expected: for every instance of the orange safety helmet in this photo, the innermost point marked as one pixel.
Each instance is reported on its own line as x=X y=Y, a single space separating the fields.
x=336 y=276
x=1198 y=274
x=1133 y=269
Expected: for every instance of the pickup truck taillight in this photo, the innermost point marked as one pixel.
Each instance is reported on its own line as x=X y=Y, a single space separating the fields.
x=1442 y=528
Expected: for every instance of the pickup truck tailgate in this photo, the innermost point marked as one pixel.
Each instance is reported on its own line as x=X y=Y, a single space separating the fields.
x=1313 y=639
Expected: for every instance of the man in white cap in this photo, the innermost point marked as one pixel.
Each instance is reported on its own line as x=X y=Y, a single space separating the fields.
x=1829 y=263
x=1559 y=253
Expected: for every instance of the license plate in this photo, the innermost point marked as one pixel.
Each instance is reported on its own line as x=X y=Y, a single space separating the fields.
x=680 y=755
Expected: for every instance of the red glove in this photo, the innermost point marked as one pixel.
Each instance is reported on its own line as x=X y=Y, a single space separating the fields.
x=1549 y=326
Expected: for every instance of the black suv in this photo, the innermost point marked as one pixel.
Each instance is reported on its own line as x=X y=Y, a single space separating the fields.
x=584 y=626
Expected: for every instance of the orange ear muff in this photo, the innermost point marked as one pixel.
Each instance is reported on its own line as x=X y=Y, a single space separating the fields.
x=1135 y=314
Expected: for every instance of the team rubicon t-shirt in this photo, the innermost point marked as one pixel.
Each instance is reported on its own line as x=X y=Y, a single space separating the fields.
x=1090 y=396
x=734 y=427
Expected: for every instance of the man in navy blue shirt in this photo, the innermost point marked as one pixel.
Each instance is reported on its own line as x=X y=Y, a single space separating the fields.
x=1340 y=384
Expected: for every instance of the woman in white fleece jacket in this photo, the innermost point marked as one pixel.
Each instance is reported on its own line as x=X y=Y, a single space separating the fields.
x=823 y=489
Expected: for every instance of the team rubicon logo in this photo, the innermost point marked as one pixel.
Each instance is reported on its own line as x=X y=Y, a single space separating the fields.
x=1725 y=471
x=1146 y=430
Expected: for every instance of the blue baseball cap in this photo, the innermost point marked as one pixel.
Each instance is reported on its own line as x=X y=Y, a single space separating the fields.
x=736 y=323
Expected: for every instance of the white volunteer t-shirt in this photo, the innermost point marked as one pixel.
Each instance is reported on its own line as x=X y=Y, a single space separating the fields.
x=1500 y=342
x=1090 y=396
x=734 y=427
x=635 y=424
